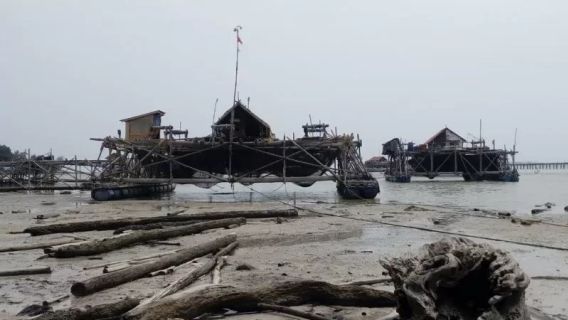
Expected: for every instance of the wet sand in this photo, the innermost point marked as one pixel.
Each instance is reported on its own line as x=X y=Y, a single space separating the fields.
x=338 y=243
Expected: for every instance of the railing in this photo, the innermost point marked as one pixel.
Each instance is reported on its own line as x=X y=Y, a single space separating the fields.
x=541 y=165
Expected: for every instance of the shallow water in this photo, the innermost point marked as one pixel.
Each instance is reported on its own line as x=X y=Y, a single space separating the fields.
x=533 y=189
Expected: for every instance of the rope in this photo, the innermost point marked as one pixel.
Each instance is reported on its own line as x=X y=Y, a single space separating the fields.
x=530 y=244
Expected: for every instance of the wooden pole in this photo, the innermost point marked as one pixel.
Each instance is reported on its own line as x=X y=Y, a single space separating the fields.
x=97 y=246
x=183 y=282
x=25 y=271
x=109 y=280
x=32 y=246
x=111 y=224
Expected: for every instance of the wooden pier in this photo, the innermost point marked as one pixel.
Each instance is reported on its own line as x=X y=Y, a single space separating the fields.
x=42 y=174
x=542 y=165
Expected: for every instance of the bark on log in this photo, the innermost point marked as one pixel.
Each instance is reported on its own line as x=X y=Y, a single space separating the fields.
x=183 y=282
x=113 y=279
x=137 y=260
x=290 y=311
x=190 y=303
x=112 y=224
x=456 y=278
x=151 y=226
x=104 y=311
x=98 y=246
x=25 y=271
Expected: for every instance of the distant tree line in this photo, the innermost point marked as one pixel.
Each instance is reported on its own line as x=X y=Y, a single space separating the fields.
x=6 y=154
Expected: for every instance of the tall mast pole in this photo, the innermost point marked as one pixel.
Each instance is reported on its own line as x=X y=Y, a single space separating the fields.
x=232 y=129
x=237 y=29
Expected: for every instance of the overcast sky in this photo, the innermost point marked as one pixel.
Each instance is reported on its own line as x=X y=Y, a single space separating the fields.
x=69 y=70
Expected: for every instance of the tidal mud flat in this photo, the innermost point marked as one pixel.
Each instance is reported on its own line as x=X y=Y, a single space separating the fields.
x=334 y=242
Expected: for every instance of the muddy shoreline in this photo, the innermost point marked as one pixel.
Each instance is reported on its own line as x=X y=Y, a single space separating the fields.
x=337 y=243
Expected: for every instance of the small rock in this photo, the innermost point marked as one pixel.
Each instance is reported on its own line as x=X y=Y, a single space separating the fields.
x=537 y=211
x=48 y=203
x=65 y=192
x=18 y=211
x=504 y=214
x=284 y=274
x=566 y=208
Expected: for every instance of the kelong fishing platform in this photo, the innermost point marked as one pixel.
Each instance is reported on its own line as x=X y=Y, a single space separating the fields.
x=447 y=153
x=241 y=148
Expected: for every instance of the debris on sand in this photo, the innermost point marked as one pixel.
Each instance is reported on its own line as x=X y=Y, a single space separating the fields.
x=456 y=278
x=35 y=309
x=244 y=267
x=415 y=208
x=537 y=211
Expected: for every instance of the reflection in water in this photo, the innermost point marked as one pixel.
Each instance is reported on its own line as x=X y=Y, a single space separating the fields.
x=522 y=196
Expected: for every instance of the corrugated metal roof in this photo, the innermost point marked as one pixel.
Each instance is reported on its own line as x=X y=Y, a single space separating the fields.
x=160 y=112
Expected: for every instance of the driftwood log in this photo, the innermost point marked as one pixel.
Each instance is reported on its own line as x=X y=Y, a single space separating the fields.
x=456 y=278
x=97 y=246
x=157 y=225
x=112 y=224
x=183 y=282
x=40 y=245
x=25 y=271
x=112 y=279
x=104 y=311
x=191 y=303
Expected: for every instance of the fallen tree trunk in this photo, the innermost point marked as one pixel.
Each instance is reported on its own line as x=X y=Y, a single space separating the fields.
x=97 y=246
x=183 y=282
x=103 y=311
x=157 y=225
x=113 y=279
x=25 y=271
x=190 y=303
x=112 y=224
x=32 y=246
